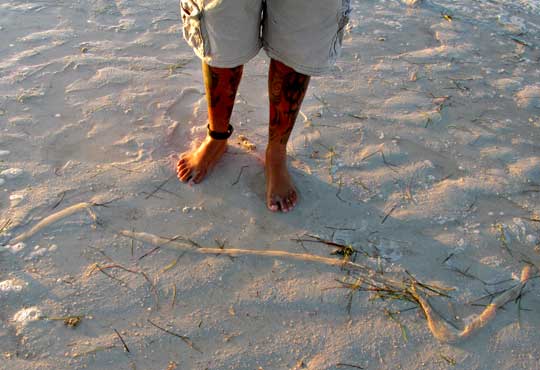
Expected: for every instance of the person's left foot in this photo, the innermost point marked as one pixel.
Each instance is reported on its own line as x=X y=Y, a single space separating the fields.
x=280 y=192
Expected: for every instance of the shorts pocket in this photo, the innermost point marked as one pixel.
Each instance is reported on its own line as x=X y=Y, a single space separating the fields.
x=343 y=20
x=193 y=26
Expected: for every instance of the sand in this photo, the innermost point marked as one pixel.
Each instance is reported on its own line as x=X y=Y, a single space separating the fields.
x=421 y=148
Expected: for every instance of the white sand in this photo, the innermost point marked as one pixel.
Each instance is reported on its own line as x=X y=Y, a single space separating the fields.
x=427 y=123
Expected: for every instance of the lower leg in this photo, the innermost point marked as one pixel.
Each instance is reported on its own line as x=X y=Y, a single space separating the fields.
x=221 y=85
x=286 y=89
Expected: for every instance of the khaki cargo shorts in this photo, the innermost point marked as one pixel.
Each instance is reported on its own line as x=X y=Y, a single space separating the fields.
x=306 y=35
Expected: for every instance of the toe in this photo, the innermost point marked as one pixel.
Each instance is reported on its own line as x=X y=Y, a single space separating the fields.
x=284 y=205
x=181 y=163
x=181 y=167
x=289 y=204
x=293 y=198
x=183 y=159
x=185 y=174
x=272 y=205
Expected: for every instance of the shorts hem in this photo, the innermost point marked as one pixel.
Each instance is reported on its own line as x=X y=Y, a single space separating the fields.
x=307 y=70
x=228 y=63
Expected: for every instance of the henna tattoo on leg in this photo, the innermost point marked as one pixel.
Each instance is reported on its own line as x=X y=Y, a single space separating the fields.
x=287 y=89
x=211 y=83
x=221 y=85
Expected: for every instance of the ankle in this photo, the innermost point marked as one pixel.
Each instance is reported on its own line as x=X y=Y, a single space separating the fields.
x=220 y=132
x=209 y=139
x=276 y=148
x=276 y=152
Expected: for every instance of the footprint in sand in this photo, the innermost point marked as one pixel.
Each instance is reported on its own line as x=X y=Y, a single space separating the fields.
x=187 y=105
x=188 y=109
x=79 y=142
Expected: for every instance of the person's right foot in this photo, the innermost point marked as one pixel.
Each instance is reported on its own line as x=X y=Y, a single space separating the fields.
x=195 y=164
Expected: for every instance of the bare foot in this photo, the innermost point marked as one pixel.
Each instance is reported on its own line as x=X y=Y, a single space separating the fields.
x=280 y=192
x=197 y=163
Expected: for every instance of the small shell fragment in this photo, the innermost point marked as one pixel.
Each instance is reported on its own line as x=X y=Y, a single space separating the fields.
x=27 y=314
x=11 y=173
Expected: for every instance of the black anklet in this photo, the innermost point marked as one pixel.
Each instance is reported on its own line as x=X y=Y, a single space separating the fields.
x=220 y=135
